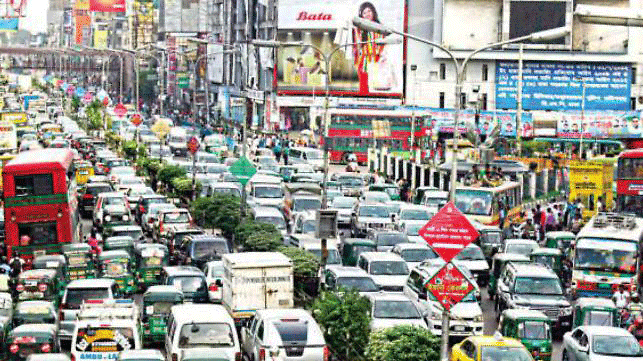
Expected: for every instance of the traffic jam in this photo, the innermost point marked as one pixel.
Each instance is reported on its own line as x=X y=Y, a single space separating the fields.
x=225 y=246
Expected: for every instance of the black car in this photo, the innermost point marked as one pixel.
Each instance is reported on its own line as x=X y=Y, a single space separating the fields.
x=386 y=240
x=197 y=250
x=144 y=203
x=89 y=194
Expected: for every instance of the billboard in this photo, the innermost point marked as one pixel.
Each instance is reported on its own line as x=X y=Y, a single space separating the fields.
x=559 y=86
x=442 y=121
x=600 y=124
x=108 y=6
x=9 y=24
x=367 y=69
x=100 y=39
x=215 y=63
x=184 y=16
x=528 y=17
x=83 y=29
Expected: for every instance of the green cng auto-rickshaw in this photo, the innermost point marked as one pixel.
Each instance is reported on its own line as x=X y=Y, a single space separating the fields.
x=561 y=240
x=116 y=265
x=157 y=302
x=353 y=247
x=498 y=264
x=531 y=327
x=56 y=262
x=595 y=312
x=38 y=284
x=550 y=257
x=124 y=243
x=80 y=264
x=150 y=258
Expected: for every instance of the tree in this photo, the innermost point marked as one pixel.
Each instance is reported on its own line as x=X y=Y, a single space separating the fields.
x=249 y=226
x=403 y=343
x=345 y=319
x=263 y=241
x=169 y=172
x=218 y=211
x=305 y=264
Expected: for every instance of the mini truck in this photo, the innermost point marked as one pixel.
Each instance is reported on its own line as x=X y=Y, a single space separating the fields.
x=256 y=281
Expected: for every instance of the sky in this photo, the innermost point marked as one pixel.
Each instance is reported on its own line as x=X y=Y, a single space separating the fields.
x=36 y=16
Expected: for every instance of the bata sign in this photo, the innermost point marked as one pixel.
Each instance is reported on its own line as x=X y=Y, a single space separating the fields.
x=303 y=16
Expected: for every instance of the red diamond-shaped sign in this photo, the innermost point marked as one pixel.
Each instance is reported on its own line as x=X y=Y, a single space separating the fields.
x=193 y=145
x=449 y=286
x=136 y=119
x=448 y=232
x=120 y=110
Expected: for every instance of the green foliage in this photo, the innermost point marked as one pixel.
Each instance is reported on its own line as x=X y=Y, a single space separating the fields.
x=219 y=211
x=113 y=139
x=169 y=172
x=305 y=264
x=248 y=227
x=533 y=146
x=94 y=113
x=129 y=148
x=75 y=104
x=403 y=343
x=345 y=319
x=263 y=242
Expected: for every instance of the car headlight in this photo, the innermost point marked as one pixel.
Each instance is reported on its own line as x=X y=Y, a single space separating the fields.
x=436 y=316
x=125 y=217
x=108 y=218
x=478 y=318
x=565 y=311
x=521 y=306
x=360 y=225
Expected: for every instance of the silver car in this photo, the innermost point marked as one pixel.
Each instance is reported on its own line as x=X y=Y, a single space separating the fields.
x=293 y=332
x=389 y=310
x=600 y=343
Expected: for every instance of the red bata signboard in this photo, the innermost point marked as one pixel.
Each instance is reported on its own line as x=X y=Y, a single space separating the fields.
x=109 y=6
x=449 y=286
x=448 y=232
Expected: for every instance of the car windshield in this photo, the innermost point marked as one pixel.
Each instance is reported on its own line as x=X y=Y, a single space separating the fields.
x=123 y=171
x=491 y=238
x=267 y=161
x=189 y=284
x=391 y=239
x=361 y=284
x=534 y=330
x=268 y=192
x=214 y=248
x=333 y=255
x=352 y=182
x=414 y=215
x=435 y=202
x=306 y=204
x=313 y=154
x=598 y=318
x=413 y=229
x=343 y=202
x=76 y=296
x=374 y=211
x=309 y=226
x=611 y=345
x=227 y=191
x=606 y=260
x=544 y=260
x=176 y=217
x=216 y=271
x=292 y=330
x=277 y=221
x=470 y=254
x=388 y=268
x=114 y=201
x=377 y=197
x=206 y=335
x=475 y=202
x=538 y=286
x=395 y=309
x=502 y=353
x=417 y=255
x=520 y=248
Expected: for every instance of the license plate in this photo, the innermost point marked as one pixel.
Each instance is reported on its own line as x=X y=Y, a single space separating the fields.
x=40 y=252
x=458 y=328
x=605 y=286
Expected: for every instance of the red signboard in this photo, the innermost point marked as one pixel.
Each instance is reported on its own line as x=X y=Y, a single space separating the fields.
x=87 y=98
x=448 y=232
x=193 y=145
x=109 y=6
x=136 y=119
x=120 y=110
x=449 y=286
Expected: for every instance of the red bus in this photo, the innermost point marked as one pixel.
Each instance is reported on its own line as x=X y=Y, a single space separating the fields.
x=629 y=181
x=40 y=202
x=355 y=130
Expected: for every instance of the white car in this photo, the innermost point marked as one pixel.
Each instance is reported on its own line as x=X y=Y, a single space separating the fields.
x=213 y=271
x=388 y=270
x=412 y=230
x=344 y=207
x=519 y=246
x=374 y=197
x=414 y=253
x=412 y=213
x=600 y=343
x=389 y=310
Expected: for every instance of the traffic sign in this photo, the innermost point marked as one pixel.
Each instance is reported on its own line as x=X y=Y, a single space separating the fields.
x=448 y=232
x=449 y=286
x=120 y=110
x=136 y=119
x=105 y=101
x=193 y=145
x=87 y=98
x=243 y=170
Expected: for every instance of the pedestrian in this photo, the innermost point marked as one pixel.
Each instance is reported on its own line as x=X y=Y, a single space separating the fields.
x=286 y=151
x=550 y=221
x=502 y=214
x=621 y=297
x=277 y=151
x=600 y=205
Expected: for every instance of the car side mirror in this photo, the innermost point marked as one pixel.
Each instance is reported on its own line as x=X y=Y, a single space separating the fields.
x=219 y=283
x=422 y=296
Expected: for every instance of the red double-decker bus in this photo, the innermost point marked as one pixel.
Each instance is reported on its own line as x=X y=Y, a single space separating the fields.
x=353 y=131
x=629 y=181
x=41 y=206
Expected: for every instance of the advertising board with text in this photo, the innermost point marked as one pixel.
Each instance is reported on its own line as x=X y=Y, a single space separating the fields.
x=448 y=232
x=366 y=69
x=449 y=286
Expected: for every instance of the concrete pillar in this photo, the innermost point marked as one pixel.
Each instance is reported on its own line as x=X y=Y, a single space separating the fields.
x=413 y=173
x=532 y=185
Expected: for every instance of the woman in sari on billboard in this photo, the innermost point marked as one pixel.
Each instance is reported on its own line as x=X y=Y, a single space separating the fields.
x=367 y=54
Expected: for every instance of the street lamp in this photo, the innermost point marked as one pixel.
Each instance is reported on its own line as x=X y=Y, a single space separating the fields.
x=460 y=68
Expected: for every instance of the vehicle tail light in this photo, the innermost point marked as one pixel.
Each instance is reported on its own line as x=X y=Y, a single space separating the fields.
x=42 y=287
x=326 y=353
x=14 y=348
x=262 y=354
x=88 y=196
x=237 y=356
x=213 y=287
x=45 y=348
x=73 y=358
x=141 y=209
x=20 y=288
x=161 y=226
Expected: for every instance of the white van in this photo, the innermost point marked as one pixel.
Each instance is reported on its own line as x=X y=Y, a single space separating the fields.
x=199 y=325
x=178 y=141
x=312 y=156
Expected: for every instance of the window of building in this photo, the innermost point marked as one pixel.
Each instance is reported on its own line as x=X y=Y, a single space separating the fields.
x=633 y=75
x=483 y=101
x=633 y=103
x=485 y=72
x=463 y=100
x=443 y=71
x=441 y=105
x=34 y=185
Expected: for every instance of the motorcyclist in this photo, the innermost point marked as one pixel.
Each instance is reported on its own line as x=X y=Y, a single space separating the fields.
x=635 y=307
x=529 y=230
x=636 y=328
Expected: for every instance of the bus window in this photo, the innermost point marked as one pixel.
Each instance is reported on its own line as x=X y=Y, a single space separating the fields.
x=34 y=185
x=38 y=233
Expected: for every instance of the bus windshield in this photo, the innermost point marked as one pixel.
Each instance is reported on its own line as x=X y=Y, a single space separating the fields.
x=473 y=201
x=606 y=256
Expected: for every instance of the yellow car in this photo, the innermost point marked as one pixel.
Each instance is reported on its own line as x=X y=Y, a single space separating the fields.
x=490 y=348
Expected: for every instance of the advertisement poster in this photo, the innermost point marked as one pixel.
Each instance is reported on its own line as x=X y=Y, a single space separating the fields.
x=215 y=63
x=108 y=6
x=367 y=69
x=100 y=39
x=442 y=120
x=600 y=125
x=9 y=24
x=559 y=86
x=83 y=26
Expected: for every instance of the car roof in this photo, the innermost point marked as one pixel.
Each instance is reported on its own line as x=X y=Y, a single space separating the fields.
x=35 y=327
x=387 y=296
x=98 y=184
x=267 y=211
x=182 y=271
x=272 y=313
x=202 y=312
x=144 y=354
x=525 y=313
x=605 y=330
x=347 y=271
x=381 y=256
x=533 y=270
x=91 y=283
x=520 y=241
x=493 y=341
x=411 y=245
